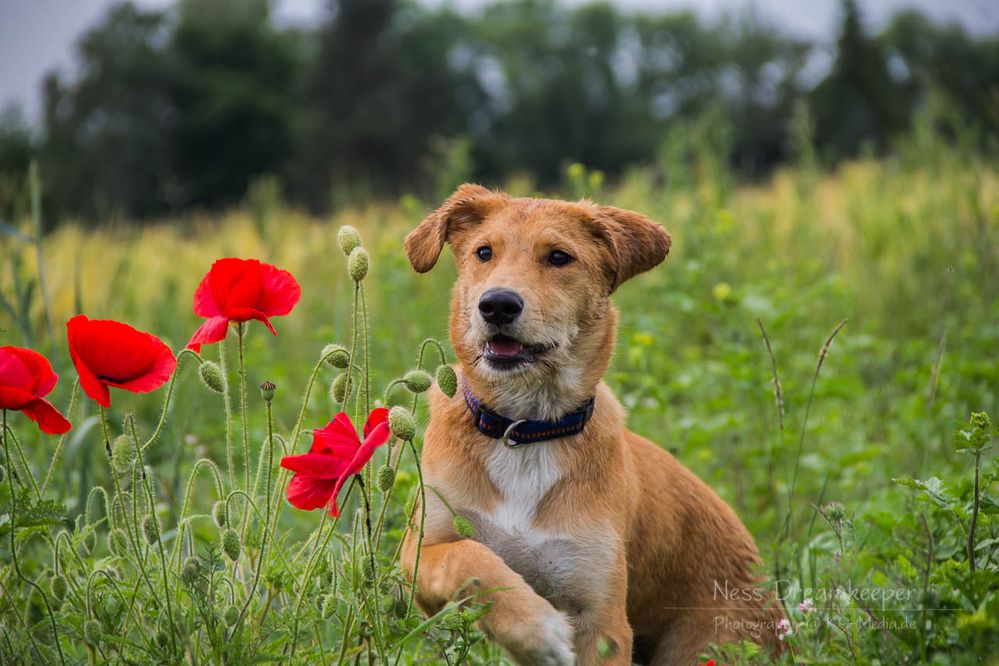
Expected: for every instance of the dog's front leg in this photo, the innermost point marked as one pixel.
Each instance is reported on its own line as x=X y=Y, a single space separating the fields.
x=519 y=619
x=603 y=634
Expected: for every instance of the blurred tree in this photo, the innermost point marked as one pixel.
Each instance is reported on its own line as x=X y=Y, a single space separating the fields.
x=16 y=148
x=858 y=101
x=233 y=91
x=383 y=82
x=107 y=144
x=946 y=58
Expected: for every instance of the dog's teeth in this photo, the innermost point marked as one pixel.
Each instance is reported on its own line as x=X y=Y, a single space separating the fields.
x=505 y=347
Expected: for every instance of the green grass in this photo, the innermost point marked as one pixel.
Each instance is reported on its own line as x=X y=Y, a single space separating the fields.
x=905 y=250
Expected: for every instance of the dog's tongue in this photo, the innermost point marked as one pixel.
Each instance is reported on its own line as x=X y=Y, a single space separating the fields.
x=505 y=347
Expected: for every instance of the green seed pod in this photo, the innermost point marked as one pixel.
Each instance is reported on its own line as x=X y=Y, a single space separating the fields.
x=92 y=632
x=358 y=263
x=401 y=423
x=219 y=513
x=400 y=608
x=348 y=239
x=267 y=391
x=122 y=454
x=150 y=529
x=447 y=380
x=340 y=388
x=462 y=527
x=117 y=541
x=336 y=356
x=190 y=573
x=417 y=381
x=89 y=541
x=386 y=478
x=212 y=377
x=231 y=616
x=327 y=607
x=59 y=586
x=231 y=544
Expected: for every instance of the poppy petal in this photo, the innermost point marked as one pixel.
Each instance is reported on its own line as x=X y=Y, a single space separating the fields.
x=213 y=330
x=48 y=418
x=375 y=418
x=316 y=465
x=309 y=493
x=281 y=291
x=12 y=397
x=337 y=435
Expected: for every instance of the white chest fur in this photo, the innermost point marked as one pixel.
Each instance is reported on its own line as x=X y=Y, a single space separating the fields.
x=523 y=476
x=565 y=569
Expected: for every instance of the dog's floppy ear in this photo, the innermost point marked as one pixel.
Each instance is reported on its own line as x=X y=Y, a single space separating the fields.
x=637 y=243
x=468 y=205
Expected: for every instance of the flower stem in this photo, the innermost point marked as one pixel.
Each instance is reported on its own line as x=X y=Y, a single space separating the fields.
x=241 y=328
x=166 y=400
x=228 y=416
x=423 y=519
x=13 y=547
x=62 y=438
x=24 y=462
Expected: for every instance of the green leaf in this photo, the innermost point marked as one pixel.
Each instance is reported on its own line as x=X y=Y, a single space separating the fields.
x=933 y=488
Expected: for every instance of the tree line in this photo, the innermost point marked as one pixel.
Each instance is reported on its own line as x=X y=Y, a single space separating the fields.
x=189 y=107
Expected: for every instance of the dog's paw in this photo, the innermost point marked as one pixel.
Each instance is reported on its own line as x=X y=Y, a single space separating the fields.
x=552 y=644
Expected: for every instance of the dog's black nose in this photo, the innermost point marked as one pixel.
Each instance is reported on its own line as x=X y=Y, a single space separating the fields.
x=500 y=306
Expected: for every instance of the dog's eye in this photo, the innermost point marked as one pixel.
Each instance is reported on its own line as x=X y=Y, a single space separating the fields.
x=484 y=253
x=559 y=258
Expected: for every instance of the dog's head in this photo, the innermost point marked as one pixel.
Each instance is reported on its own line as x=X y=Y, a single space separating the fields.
x=530 y=316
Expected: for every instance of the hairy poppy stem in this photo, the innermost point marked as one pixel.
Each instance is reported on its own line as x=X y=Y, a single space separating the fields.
x=13 y=546
x=241 y=328
x=62 y=438
x=228 y=416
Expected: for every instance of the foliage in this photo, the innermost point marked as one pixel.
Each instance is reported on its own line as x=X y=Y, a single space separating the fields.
x=186 y=108
x=851 y=458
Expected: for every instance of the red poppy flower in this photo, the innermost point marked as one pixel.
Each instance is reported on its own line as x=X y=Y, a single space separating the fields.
x=26 y=377
x=337 y=453
x=241 y=290
x=110 y=353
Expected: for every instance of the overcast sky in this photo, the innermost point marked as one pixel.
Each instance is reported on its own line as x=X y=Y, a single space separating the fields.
x=37 y=36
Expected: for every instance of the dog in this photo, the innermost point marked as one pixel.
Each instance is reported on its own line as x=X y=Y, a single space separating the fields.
x=590 y=542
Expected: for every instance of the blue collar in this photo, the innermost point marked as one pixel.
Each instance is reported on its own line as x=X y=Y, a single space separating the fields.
x=515 y=433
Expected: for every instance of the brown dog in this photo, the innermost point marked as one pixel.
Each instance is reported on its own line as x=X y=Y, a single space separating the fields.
x=591 y=543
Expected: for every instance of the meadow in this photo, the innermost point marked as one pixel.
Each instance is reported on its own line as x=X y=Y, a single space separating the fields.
x=814 y=348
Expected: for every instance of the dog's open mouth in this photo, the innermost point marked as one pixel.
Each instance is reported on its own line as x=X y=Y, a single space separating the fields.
x=502 y=351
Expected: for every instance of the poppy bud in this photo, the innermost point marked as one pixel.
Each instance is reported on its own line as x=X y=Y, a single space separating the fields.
x=462 y=527
x=386 y=478
x=348 y=239
x=231 y=616
x=327 y=606
x=117 y=541
x=267 y=391
x=59 y=586
x=447 y=380
x=150 y=529
x=92 y=632
x=212 y=377
x=90 y=541
x=190 y=573
x=417 y=381
x=357 y=264
x=336 y=356
x=219 y=514
x=231 y=544
x=122 y=454
x=340 y=388
x=401 y=423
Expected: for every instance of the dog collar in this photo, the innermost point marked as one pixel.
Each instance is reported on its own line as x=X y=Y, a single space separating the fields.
x=517 y=432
